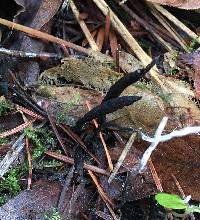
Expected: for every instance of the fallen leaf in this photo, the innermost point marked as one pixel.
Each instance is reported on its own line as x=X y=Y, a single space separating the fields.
x=184 y=4
x=38 y=15
x=180 y=157
x=32 y=204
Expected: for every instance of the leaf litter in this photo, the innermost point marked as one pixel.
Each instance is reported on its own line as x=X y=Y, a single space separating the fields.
x=90 y=75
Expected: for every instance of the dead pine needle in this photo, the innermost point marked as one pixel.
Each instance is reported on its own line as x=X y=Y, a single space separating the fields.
x=103 y=195
x=110 y=164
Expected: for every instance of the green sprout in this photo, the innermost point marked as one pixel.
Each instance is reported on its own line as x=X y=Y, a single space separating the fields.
x=175 y=202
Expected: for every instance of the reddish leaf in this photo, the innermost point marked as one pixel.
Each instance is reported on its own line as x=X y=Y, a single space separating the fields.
x=180 y=157
x=31 y=204
x=185 y=4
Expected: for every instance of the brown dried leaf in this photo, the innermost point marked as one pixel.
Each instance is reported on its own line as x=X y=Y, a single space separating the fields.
x=31 y=204
x=180 y=157
x=184 y=4
x=36 y=14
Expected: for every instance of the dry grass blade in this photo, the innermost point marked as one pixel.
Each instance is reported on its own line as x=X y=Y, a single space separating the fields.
x=171 y=30
x=178 y=23
x=29 y=163
x=147 y=26
x=122 y=156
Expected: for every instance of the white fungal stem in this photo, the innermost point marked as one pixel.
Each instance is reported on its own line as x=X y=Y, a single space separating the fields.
x=147 y=154
x=176 y=133
x=153 y=145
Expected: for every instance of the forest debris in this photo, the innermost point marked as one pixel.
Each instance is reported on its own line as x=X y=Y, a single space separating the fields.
x=177 y=22
x=47 y=37
x=29 y=158
x=109 y=203
x=148 y=26
x=11 y=155
x=178 y=156
x=38 y=16
x=169 y=28
x=110 y=164
x=122 y=30
x=146 y=113
x=191 y=62
x=71 y=161
x=83 y=26
x=77 y=201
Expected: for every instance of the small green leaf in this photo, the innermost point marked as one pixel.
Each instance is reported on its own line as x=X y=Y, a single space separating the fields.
x=170 y=201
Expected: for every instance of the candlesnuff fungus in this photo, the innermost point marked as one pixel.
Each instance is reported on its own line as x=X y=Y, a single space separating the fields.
x=110 y=106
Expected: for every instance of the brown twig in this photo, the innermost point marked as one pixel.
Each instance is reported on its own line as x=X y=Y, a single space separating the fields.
x=103 y=195
x=155 y=176
x=47 y=37
x=29 y=112
x=71 y=161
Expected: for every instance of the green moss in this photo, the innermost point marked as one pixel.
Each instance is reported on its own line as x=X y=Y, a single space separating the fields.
x=3 y=141
x=192 y=46
x=10 y=185
x=5 y=107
